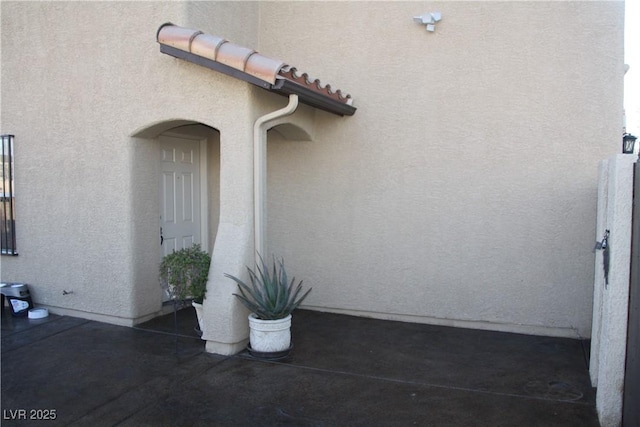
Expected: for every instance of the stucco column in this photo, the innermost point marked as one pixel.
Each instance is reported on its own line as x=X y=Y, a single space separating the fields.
x=225 y=328
x=598 y=283
x=611 y=301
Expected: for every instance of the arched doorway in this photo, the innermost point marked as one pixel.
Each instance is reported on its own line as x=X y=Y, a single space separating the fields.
x=177 y=202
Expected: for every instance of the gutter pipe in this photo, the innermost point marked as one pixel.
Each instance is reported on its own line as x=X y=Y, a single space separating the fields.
x=260 y=172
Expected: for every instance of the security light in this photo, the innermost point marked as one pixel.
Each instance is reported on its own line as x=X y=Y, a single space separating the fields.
x=428 y=19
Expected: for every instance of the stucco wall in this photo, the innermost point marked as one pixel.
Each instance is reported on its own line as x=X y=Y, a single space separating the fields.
x=78 y=79
x=463 y=191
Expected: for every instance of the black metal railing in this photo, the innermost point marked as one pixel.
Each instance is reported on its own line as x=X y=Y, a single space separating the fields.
x=7 y=199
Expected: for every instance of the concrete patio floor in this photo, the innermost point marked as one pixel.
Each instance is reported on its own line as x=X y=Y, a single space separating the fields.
x=343 y=371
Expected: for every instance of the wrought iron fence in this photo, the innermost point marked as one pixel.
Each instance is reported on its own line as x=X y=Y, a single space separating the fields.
x=7 y=199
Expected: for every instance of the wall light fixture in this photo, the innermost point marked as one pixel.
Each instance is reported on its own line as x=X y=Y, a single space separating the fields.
x=429 y=19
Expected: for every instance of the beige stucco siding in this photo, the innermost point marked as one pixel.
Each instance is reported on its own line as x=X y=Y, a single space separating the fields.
x=78 y=79
x=463 y=190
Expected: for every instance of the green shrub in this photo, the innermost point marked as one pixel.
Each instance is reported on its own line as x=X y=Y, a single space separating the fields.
x=183 y=273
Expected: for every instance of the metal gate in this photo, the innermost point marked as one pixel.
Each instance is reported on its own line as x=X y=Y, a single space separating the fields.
x=631 y=411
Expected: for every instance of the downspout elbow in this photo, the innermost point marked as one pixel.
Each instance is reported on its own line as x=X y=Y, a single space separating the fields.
x=283 y=112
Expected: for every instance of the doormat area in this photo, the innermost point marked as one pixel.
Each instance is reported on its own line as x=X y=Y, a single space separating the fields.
x=183 y=323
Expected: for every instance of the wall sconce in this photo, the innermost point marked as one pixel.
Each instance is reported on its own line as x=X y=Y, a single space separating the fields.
x=628 y=143
x=428 y=19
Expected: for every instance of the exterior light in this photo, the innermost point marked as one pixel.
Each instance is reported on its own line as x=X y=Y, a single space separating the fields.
x=428 y=19
x=628 y=143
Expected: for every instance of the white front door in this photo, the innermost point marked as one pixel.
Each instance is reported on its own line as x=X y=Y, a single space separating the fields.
x=180 y=204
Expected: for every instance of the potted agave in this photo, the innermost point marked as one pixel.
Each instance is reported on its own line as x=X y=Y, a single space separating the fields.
x=271 y=298
x=183 y=275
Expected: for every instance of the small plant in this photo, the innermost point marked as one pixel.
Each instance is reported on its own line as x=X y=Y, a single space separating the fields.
x=183 y=273
x=270 y=295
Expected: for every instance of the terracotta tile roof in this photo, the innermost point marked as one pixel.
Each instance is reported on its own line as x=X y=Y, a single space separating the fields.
x=247 y=64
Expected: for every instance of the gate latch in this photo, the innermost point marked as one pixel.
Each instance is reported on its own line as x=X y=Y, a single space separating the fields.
x=604 y=246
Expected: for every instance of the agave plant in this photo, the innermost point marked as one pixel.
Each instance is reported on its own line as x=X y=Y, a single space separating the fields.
x=269 y=295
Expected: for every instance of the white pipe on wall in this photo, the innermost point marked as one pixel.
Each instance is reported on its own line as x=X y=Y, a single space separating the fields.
x=260 y=171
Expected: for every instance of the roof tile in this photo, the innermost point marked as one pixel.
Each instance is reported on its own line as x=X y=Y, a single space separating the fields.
x=177 y=37
x=233 y=55
x=248 y=61
x=263 y=67
x=303 y=79
x=206 y=45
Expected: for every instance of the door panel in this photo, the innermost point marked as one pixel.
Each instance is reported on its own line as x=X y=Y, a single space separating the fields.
x=187 y=197
x=168 y=203
x=179 y=193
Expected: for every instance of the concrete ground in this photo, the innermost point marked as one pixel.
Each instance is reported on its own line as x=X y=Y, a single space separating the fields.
x=343 y=371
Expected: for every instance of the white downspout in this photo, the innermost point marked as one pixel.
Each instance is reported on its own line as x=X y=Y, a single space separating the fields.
x=260 y=172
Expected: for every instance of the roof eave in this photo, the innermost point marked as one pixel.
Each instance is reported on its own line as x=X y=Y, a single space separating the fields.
x=310 y=97
x=282 y=86
x=213 y=65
